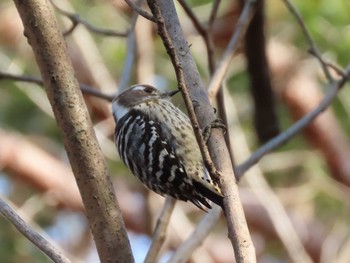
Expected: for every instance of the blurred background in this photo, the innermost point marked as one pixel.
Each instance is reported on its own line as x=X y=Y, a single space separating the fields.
x=308 y=178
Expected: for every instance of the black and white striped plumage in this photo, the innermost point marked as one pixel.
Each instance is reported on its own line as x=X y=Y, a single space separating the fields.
x=156 y=141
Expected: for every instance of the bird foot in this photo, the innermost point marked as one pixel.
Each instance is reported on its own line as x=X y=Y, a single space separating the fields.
x=217 y=123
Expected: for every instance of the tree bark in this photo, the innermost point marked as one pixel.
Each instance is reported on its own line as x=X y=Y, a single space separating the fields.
x=193 y=90
x=84 y=153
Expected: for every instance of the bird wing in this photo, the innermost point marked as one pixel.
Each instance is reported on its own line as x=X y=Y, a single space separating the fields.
x=144 y=147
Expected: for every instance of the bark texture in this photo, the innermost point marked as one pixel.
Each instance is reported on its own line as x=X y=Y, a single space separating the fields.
x=84 y=153
x=196 y=99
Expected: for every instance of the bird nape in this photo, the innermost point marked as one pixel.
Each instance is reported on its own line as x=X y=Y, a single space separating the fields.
x=156 y=141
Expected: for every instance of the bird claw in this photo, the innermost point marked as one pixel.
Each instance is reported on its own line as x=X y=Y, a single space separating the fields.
x=217 y=123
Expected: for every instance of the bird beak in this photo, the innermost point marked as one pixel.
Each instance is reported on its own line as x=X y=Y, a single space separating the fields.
x=170 y=93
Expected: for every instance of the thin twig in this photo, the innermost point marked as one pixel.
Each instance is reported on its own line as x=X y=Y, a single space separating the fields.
x=213 y=13
x=76 y=20
x=205 y=34
x=193 y=17
x=160 y=230
x=130 y=56
x=332 y=91
x=337 y=69
x=29 y=79
x=145 y=53
x=140 y=11
x=84 y=88
x=313 y=47
x=203 y=228
x=45 y=246
x=212 y=64
x=241 y=28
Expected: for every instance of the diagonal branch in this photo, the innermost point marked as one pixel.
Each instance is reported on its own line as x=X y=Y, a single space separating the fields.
x=214 y=13
x=205 y=34
x=76 y=20
x=203 y=228
x=160 y=230
x=313 y=47
x=189 y=99
x=193 y=92
x=78 y=135
x=332 y=91
x=139 y=10
x=241 y=28
x=46 y=247
x=333 y=88
x=271 y=204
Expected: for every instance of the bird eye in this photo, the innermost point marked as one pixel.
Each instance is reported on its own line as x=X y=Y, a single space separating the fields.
x=148 y=89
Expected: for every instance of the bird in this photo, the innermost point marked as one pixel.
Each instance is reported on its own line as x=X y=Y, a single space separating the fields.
x=156 y=141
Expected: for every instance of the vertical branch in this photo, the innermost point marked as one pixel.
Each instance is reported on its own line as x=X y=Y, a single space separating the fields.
x=213 y=13
x=241 y=28
x=160 y=230
x=192 y=90
x=265 y=116
x=205 y=34
x=130 y=56
x=281 y=222
x=203 y=228
x=84 y=153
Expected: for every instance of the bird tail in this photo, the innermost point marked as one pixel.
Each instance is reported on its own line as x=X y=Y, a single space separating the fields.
x=207 y=193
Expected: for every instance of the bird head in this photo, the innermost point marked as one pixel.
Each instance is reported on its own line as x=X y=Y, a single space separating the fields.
x=136 y=95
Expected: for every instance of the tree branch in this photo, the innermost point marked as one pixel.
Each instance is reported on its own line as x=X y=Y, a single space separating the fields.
x=76 y=20
x=130 y=57
x=84 y=88
x=159 y=233
x=206 y=35
x=332 y=91
x=270 y=202
x=139 y=10
x=84 y=153
x=203 y=228
x=45 y=246
x=213 y=13
x=193 y=90
x=265 y=114
x=313 y=47
x=241 y=28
